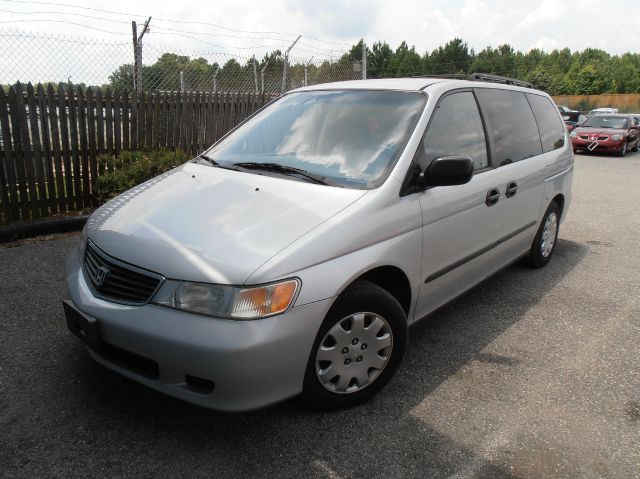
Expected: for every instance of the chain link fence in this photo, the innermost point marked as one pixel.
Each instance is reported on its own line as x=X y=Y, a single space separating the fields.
x=43 y=58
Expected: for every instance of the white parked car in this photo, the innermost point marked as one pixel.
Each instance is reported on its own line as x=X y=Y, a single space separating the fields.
x=603 y=111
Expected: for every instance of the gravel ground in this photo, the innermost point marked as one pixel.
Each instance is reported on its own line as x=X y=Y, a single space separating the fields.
x=532 y=374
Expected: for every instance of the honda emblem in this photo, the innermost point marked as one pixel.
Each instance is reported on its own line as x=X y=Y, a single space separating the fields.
x=101 y=275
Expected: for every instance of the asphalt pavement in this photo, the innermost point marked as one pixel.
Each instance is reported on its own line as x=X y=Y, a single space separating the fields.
x=532 y=374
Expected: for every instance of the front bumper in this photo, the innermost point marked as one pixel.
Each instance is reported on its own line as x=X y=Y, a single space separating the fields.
x=604 y=145
x=251 y=363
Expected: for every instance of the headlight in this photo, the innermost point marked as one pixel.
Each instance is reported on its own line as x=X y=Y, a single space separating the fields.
x=573 y=134
x=228 y=301
x=617 y=137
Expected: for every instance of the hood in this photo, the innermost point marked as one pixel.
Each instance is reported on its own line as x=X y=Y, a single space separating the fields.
x=586 y=130
x=201 y=223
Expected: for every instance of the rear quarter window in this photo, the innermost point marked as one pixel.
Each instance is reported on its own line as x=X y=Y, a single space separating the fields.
x=511 y=125
x=549 y=124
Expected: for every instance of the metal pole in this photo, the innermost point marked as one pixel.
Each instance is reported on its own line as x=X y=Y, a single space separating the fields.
x=134 y=31
x=286 y=64
x=137 y=42
x=262 y=75
x=255 y=73
x=305 y=70
x=364 y=60
x=215 y=79
x=182 y=87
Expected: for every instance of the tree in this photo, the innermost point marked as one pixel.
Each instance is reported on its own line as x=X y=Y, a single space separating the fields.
x=378 y=60
x=540 y=80
x=453 y=57
x=590 y=81
x=405 y=61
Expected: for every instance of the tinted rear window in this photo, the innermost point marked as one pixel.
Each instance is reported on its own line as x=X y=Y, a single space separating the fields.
x=549 y=124
x=511 y=125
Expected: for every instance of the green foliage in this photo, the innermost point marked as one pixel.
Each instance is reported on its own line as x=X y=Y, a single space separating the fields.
x=130 y=168
x=540 y=79
x=560 y=72
x=590 y=80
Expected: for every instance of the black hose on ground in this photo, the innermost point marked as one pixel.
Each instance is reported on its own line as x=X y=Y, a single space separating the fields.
x=42 y=226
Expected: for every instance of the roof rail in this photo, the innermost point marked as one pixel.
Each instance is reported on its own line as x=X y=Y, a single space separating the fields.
x=453 y=76
x=499 y=79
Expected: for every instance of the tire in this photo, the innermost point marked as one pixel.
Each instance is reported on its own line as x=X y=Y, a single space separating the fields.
x=637 y=148
x=337 y=349
x=623 y=150
x=541 y=248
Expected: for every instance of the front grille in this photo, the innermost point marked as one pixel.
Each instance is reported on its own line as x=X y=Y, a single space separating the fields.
x=603 y=138
x=113 y=279
x=584 y=137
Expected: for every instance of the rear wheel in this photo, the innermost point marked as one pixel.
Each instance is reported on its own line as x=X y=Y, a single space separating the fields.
x=358 y=348
x=545 y=241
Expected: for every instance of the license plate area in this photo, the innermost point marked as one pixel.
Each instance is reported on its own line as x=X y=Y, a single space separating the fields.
x=84 y=327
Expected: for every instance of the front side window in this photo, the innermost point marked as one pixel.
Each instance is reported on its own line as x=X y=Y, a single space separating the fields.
x=549 y=124
x=350 y=138
x=455 y=130
x=511 y=125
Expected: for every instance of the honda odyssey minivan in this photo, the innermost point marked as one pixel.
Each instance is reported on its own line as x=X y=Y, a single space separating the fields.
x=292 y=256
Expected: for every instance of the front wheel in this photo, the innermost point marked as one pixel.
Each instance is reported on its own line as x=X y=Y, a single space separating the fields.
x=623 y=150
x=358 y=348
x=545 y=241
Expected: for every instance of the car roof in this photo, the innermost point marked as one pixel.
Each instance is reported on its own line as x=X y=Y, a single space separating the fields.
x=410 y=84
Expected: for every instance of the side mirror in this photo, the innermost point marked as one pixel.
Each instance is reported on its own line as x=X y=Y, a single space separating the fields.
x=448 y=171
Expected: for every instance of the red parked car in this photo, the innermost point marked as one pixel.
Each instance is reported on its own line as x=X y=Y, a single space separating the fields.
x=617 y=133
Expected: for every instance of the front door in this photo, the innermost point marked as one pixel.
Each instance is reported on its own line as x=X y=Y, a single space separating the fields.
x=460 y=223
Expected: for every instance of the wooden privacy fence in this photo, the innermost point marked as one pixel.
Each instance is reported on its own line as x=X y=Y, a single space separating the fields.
x=50 y=138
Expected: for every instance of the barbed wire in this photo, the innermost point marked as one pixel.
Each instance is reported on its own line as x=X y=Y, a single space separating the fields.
x=290 y=36
x=40 y=58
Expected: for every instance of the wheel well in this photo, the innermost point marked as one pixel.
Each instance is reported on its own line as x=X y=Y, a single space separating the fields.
x=393 y=280
x=559 y=199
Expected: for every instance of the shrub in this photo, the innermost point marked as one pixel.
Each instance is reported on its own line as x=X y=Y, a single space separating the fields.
x=130 y=168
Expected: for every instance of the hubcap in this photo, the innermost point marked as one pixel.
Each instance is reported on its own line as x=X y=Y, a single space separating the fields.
x=368 y=342
x=549 y=234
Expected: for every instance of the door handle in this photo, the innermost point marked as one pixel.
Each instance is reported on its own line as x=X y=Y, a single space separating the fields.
x=512 y=189
x=493 y=195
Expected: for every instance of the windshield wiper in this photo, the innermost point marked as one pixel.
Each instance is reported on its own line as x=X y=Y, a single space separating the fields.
x=285 y=170
x=213 y=162
x=208 y=159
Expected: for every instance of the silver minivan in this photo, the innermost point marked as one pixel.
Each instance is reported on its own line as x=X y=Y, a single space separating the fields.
x=293 y=255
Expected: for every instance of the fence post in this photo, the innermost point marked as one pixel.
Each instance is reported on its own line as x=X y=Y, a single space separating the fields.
x=137 y=54
x=305 y=70
x=215 y=80
x=262 y=76
x=364 y=60
x=134 y=32
x=255 y=73
x=286 y=64
x=182 y=88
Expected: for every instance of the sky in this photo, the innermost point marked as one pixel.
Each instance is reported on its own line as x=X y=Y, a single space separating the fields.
x=328 y=27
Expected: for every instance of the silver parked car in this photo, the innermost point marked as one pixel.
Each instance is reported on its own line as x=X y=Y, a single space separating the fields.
x=293 y=255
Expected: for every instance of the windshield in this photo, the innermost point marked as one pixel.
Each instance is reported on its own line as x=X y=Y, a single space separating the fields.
x=604 y=121
x=352 y=138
